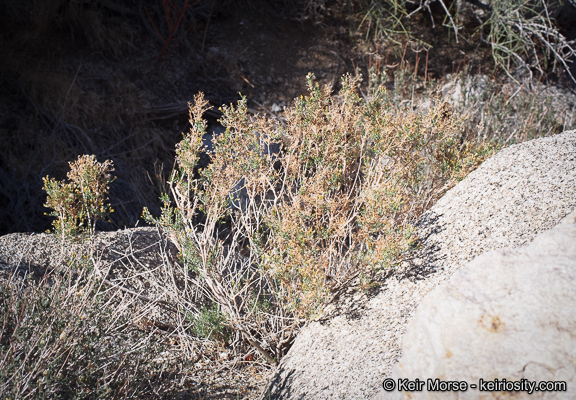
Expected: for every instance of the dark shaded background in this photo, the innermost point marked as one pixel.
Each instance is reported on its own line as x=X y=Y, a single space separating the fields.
x=113 y=78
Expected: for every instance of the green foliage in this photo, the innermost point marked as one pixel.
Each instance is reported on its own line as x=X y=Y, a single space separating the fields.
x=211 y=324
x=524 y=34
x=81 y=202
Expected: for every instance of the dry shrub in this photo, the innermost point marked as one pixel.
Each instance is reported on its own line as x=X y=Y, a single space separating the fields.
x=288 y=214
x=67 y=337
x=356 y=174
x=81 y=202
x=499 y=111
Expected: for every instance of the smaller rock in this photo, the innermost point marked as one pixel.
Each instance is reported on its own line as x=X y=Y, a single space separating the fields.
x=465 y=91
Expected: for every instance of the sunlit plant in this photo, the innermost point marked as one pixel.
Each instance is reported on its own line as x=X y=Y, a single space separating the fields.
x=272 y=236
x=82 y=201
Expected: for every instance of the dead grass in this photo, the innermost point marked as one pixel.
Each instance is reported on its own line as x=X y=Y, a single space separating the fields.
x=496 y=109
x=103 y=325
x=66 y=336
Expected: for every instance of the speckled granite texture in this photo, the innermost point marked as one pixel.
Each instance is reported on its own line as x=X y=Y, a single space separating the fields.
x=507 y=314
x=520 y=192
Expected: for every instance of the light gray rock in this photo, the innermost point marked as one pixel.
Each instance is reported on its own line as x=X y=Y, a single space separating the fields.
x=465 y=91
x=508 y=314
x=522 y=191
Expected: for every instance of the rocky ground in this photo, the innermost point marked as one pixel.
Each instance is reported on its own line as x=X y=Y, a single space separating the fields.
x=524 y=190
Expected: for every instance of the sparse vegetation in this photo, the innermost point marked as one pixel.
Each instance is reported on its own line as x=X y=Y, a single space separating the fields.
x=295 y=206
x=288 y=213
x=210 y=324
x=495 y=111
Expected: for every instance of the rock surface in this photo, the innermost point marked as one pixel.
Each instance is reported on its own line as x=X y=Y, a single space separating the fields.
x=508 y=314
x=522 y=191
